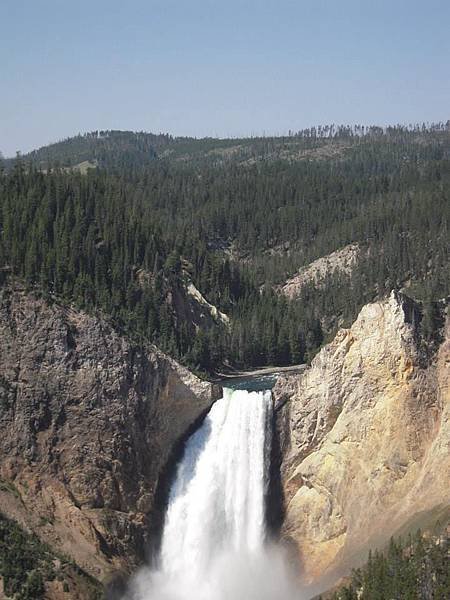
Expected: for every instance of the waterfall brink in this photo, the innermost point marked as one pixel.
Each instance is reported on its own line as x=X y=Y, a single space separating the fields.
x=213 y=544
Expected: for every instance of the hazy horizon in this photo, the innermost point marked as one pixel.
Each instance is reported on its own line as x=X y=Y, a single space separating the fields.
x=209 y=69
x=267 y=134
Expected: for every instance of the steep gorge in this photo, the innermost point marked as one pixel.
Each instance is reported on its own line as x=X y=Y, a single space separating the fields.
x=89 y=422
x=365 y=439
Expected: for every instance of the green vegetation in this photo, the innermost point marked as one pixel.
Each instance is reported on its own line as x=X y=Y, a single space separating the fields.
x=26 y=564
x=235 y=217
x=415 y=569
x=8 y=486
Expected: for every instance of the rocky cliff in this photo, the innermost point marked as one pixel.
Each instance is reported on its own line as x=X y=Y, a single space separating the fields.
x=365 y=439
x=342 y=261
x=88 y=422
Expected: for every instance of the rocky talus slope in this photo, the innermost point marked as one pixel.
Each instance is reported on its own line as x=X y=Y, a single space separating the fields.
x=365 y=439
x=88 y=421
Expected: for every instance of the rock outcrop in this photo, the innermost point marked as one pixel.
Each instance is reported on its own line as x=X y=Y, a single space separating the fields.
x=365 y=439
x=88 y=422
x=341 y=261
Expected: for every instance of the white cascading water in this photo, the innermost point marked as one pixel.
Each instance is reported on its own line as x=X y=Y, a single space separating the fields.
x=213 y=543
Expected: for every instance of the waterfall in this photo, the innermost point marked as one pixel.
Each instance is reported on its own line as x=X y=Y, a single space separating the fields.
x=217 y=502
x=213 y=543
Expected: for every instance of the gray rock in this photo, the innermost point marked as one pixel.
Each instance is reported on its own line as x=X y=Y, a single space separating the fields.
x=88 y=424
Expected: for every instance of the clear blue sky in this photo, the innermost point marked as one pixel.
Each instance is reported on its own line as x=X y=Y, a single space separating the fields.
x=224 y=68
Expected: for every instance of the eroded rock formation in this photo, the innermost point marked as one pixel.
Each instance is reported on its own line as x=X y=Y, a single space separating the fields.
x=87 y=423
x=341 y=261
x=365 y=440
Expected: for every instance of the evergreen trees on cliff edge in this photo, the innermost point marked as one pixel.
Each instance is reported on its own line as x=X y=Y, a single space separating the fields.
x=412 y=569
x=127 y=236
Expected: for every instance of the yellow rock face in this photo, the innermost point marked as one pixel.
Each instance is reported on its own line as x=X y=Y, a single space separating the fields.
x=366 y=442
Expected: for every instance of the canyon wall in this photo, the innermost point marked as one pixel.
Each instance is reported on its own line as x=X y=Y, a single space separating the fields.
x=88 y=422
x=364 y=436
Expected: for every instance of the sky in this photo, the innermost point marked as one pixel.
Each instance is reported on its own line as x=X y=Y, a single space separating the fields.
x=210 y=68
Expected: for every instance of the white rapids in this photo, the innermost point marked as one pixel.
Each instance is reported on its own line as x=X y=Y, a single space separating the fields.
x=213 y=543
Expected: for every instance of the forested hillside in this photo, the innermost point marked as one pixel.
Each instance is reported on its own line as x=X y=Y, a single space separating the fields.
x=235 y=217
x=412 y=569
x=29 y=568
